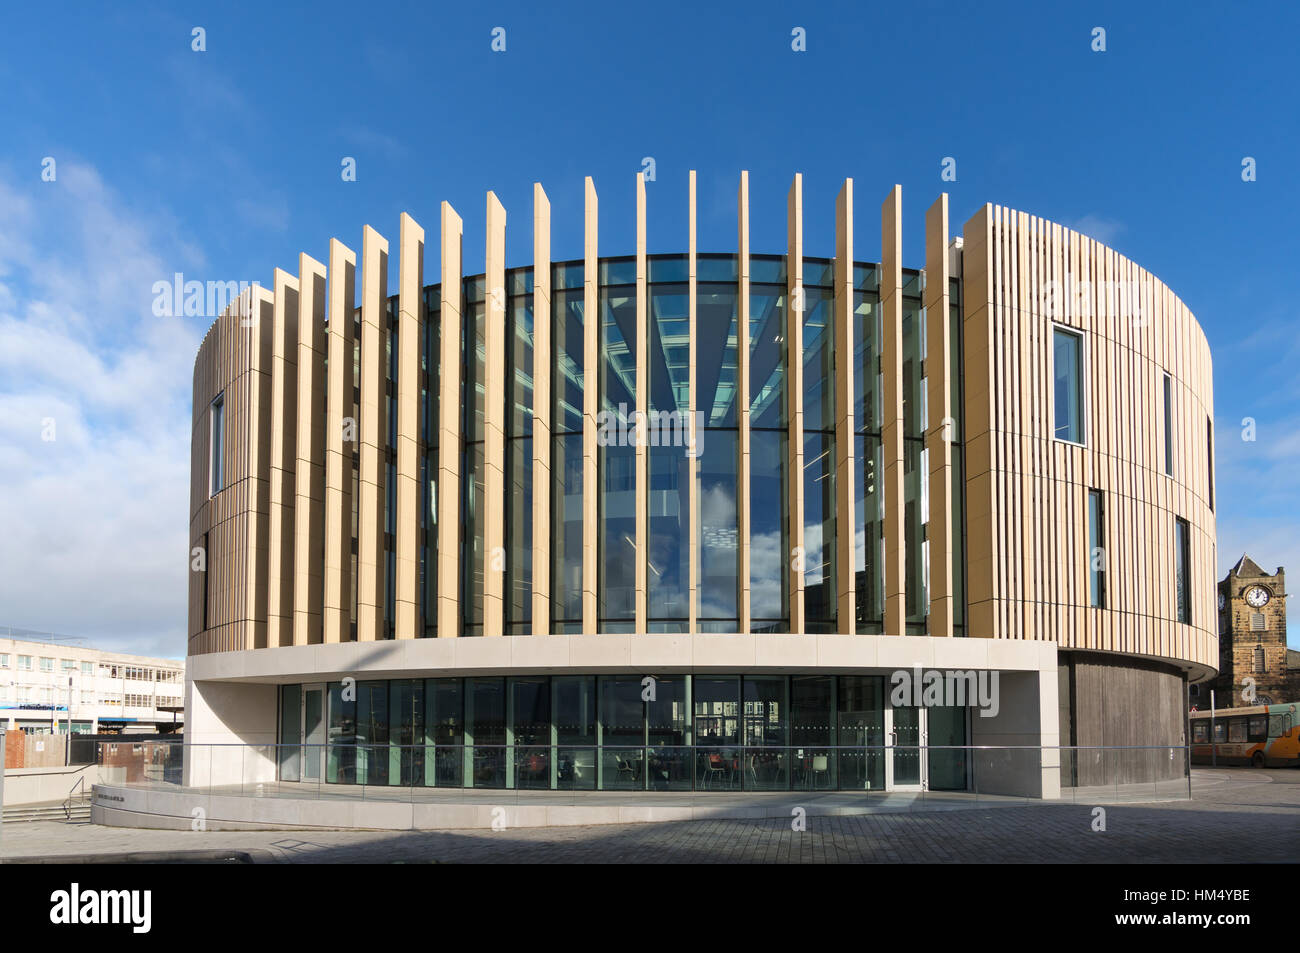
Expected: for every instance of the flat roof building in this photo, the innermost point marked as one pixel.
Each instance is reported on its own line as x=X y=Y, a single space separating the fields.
x=51 y=686
x=704 y=521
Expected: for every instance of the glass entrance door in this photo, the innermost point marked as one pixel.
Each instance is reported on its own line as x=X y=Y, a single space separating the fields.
x=313 y=731
x=905 y=727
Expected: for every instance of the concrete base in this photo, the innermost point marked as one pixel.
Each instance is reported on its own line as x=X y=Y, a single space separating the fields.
x=291 y=807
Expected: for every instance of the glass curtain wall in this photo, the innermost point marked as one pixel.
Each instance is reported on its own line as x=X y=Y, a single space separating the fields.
x=956 y=411
x=769 y=531
x=566 y=447
x=668 y=556
x=716 y=377
x=444 y=732
x=916 y=505
x=430 y=384
x=819 y=446
x=372 y=755
x=616 y=455
x=618 y=732
x=341 y=735
x=388 y=577
x=472 y=464
x=868 y=463
x=519 y=453
x=574 y=718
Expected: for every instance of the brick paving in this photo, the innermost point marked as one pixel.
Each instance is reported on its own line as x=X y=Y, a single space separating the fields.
x=1240 y=815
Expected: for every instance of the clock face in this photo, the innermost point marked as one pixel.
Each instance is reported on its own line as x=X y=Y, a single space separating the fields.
x=1256 y=597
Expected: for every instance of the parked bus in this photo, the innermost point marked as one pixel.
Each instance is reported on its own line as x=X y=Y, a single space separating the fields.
x=1262 y=736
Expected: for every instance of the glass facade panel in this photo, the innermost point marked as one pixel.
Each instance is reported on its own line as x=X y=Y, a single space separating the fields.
x=769 y=540
x=668 y=734
x=767 y=317
x=575 y=731
x=485 y=717
x=719 y=548
x=444 y=732
x=818 y=356
x=860 y=720
x=290 y=754
x=431 y=363
x=715 y=353
x=472 y=472
x=916 y=508
x=616 y=603
x=819 y=532
x=566 y=532
x=406 y=732
x=1067 y=393
x=624 y=732
x=519 y=454
x=372 y=733
x=1182 y=570
x=622 y=727
x=868 y=541
x=1169 y=425
x=946 y=766
x=341 y=736
x=1096 y=550
x=668 y=558
x=530 y=730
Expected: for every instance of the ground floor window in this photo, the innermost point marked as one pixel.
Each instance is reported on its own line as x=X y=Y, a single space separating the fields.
x=621 y=733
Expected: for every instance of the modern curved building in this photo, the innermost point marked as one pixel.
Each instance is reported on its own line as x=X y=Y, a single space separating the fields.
x=704 y=521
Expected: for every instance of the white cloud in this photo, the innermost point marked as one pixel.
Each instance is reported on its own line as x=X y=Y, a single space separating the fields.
x=1104 y=230
x=95 y=519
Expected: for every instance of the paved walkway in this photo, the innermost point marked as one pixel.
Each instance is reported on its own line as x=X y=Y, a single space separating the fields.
x=1239 y=814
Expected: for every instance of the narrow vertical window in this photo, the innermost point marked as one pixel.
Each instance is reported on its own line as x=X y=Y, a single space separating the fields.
x=1169 y=425
x=1182 y=571
x=1209 y=458
x=1067 y=366
x=216 y=443
x=206 y=626
x=1096 y=550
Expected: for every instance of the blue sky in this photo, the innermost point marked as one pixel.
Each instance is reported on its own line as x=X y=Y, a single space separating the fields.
x=225 y=163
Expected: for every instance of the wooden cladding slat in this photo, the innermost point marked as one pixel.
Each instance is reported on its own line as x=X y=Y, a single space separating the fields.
x=340 y=445
x=410 y=322
x=284 y=420
x=1027 y=493
x=891 y=425
x=309 y=467
x=693 y=463
x=447 y=499
x=590 y=405
x=542 y=364
x=743 y=517
x=495 y=401
x=941 y=430
x=845 y=431
x=642 y=451
x=373 y=431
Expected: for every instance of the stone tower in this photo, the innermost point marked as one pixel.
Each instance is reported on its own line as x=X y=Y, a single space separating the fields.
x=1252 y=636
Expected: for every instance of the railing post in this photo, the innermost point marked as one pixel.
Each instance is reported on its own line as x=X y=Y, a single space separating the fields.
x=3 y=733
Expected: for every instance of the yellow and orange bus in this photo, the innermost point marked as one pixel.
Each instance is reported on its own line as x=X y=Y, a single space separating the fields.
x=1263 y=736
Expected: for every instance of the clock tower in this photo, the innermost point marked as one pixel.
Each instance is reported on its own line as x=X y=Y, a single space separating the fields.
x=1252 y=638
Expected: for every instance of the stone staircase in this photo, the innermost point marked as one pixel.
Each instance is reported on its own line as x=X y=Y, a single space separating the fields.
x=76 y=812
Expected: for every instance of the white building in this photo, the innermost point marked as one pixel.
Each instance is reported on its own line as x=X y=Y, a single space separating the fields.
x=45 y=686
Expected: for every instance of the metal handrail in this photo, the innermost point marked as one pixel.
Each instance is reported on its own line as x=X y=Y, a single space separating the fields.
x=67 y=802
